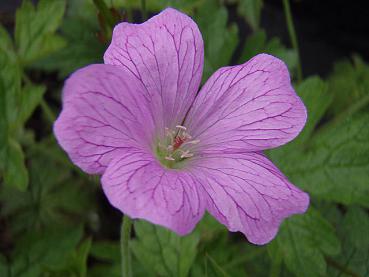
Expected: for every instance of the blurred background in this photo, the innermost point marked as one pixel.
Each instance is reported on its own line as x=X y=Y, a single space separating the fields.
x=56 y=221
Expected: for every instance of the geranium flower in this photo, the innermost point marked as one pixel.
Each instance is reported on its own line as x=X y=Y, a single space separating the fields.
x=167 y=152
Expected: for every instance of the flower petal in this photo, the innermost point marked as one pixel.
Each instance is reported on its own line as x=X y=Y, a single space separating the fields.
x=249 y=107
x=166 y=54
x=105 y=111
x=247 y=193
x=140 y=187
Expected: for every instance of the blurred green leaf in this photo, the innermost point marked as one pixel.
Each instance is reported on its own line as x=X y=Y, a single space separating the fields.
x=35 y=29
x=356 y=226
x=31 y=98
x=186 y=6
x=106 y=250
x=38 y=252
x=81 y=257
x=54 y=198
x=304 y=240
x=80 y=30
x=220 y=40
x=75 y=264
x=354 y=258
x=218 y=253
x=10 y=79
x=348 y=84
x=162 y=251
x=258 y=43
x=108 y=255
x=251 y=10
x=15 y=173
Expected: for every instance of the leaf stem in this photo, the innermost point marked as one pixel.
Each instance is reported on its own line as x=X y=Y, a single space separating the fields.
x=50 y=116
x=340 y=267
x=125 y=235
x=293 y=37
x=216 y=266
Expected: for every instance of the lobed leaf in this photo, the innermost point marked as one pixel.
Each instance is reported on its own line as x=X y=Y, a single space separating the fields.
x=336 y=168
x=162 y=251
x=251 y=10
x=220 y=39
x=304 y=240
x=35 y=29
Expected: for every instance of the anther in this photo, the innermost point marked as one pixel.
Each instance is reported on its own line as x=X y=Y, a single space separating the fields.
x=195 y=141
x=169 y=158
x=181 y=127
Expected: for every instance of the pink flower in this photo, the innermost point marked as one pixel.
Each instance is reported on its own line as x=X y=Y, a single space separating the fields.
x=167 y=152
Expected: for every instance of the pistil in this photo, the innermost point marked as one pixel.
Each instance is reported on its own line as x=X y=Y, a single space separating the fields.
x=176 y=147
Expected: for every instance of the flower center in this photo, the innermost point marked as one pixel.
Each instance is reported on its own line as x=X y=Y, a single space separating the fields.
x=175 y=147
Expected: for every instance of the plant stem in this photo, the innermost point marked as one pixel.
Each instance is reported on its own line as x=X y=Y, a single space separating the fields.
x=293 y=37
x=105 y=12
x=125 y=235
x=143 y=10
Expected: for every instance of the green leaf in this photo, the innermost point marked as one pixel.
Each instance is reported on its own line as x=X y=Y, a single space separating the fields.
x=81 y=257
x=251 y=10
x=10 y=80
x=353 y=229
x=83 y=46
x=356 y=226
x=162 y=251
x=348 y=84
x=257 y=43
x=220 y=40
x=35 y=29
x=55 y=197
x=336 y=167
x=219 y=254
x=304 y=240
x=218 y=269
x=106 y=251
x=313 y=92
x=31 y=98
x=38 y=252
x=75 y=264
x=15 y=172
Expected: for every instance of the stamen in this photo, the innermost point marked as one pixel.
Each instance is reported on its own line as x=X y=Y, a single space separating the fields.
x=195 y=141
x=169 y=158
x=173 y=148
x=181 y=127
x=186 y=154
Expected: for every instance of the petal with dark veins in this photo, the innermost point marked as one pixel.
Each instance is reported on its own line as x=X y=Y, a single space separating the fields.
x=247 y=193
x=105 y=111
x=166 y=53
x=140 y=187
x=246 y=108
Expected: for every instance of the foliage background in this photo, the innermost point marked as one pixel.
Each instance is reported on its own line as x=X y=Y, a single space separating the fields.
x=55 y=220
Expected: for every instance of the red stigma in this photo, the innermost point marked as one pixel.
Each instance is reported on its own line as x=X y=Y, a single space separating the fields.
x=178 y=141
